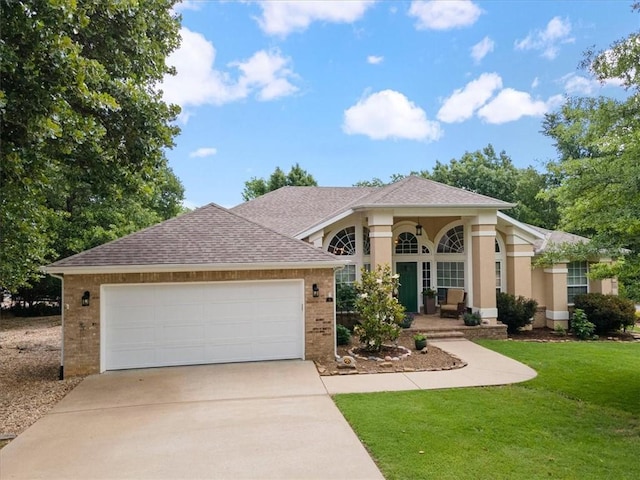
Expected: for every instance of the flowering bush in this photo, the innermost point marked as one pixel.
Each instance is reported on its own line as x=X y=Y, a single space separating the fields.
x=380 y=313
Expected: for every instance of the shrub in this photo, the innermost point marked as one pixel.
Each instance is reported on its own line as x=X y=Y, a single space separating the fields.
x=560 y=330
x=343 y=335
x=581 y=326
x=380 y=313
x=607 y=312
x=515 y=312
x=40 y=309
x=472 y=319
x=407 y=321
x=345 y=297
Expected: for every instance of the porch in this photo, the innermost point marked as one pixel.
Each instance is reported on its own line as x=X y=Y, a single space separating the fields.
x=437 y=328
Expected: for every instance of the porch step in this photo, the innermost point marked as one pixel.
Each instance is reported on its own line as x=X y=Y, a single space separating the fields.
x=440 y=334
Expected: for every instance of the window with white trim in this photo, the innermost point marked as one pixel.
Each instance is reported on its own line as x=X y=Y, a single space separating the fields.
x=366 y=241
x=452 y=241
x=577 y=281
x=343 y=242
x=450 y=275
x=426 y=275
x=346 y=275
x=406 y=244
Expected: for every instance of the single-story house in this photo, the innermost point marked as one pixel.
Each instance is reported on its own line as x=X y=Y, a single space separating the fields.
x=257 y=282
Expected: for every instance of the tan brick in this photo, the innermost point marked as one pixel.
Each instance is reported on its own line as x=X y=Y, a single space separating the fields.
x=82 y=324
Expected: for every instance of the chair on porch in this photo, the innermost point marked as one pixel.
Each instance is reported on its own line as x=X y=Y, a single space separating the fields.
x=455 y=304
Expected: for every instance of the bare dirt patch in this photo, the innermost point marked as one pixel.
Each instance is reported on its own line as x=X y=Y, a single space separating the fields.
x=434 y=359
x=29 y=371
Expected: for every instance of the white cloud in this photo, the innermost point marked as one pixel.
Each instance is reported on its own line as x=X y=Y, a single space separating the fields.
x=389 y=114
x=203 y=152
x=266 y=75
x=183 y=5
x=548 y=40
x=510 y=105
x=462 y=103
x=440 y=15
x=578 y=85
x=535 y=83
x=481 y=49
x=575 y=84
x=374 y=59
x=285 y=17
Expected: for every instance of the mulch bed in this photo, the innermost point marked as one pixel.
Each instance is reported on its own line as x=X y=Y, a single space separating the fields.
x=435 y=359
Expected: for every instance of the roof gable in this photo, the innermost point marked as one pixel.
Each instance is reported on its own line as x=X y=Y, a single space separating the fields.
x=210 y=235
x=414 y=191
x=293 y=210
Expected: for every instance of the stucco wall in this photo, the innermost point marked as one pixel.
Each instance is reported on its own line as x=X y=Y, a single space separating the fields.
x=81 y=333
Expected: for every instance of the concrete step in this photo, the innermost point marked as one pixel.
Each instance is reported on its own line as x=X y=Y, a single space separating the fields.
x=441 y=334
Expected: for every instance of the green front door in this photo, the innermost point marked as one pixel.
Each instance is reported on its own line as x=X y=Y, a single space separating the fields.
x=408 y=290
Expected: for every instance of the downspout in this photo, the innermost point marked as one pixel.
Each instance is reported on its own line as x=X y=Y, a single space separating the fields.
x=62 y=309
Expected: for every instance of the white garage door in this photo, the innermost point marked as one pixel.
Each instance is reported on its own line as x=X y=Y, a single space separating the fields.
x=188 y=324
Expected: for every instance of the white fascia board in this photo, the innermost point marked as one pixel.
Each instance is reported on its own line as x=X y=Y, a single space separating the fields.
x=89 y=270
x=431 y=206
x=320 y=226
x=520 y=225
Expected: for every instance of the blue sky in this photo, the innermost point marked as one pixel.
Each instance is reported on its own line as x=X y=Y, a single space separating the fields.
x=353 y=90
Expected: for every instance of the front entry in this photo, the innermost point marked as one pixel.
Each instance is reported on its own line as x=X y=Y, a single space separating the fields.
x=408 y=290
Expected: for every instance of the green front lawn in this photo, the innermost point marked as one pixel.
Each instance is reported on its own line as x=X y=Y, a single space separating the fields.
x=579 y=419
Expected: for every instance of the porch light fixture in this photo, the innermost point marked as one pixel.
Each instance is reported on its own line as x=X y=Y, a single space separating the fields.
x=316 y=290
x=86 y=296
x=418 y=230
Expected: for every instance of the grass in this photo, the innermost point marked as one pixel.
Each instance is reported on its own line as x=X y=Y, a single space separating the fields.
x=579 y=419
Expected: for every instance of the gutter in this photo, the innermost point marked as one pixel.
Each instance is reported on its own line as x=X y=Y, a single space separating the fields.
x=164 y=268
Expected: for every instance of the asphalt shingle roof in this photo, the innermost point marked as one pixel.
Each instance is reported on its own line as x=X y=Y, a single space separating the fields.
x=207 y=236
x=555 y=237
x=292 y=210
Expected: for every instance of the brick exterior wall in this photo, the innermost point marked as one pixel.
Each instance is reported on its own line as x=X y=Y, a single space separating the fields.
x=497 y=332
x=81 y=333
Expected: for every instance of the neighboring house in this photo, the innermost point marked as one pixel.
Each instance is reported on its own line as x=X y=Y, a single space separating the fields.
x=257 y=282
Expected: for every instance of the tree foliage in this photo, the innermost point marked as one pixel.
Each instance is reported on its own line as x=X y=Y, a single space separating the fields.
x=598 y=143
x=297 y=177
x=83 y=128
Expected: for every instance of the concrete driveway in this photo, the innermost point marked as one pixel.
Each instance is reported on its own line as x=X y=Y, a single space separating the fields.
x=254 y=420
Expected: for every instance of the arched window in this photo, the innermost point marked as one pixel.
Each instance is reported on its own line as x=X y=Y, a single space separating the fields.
x=407 y=243
x=343 y=242
x=497 y=246
x=425 y=250
x=452 y=241
x=366 y=241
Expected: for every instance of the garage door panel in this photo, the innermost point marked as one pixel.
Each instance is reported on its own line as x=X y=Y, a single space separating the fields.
x=186 y=324
x=131 y=336
x=180 y=333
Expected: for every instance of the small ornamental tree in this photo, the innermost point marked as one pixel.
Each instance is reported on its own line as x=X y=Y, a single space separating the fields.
x=380 y=313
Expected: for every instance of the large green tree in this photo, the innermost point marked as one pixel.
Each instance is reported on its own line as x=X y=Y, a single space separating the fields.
x=83 y=128
x=598 y=144
x=297 y=177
